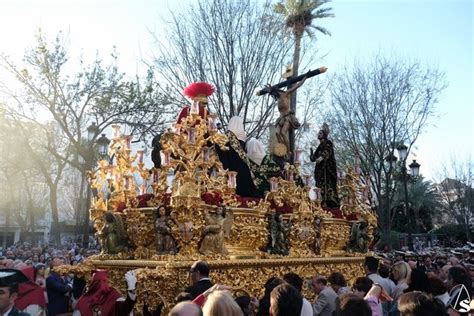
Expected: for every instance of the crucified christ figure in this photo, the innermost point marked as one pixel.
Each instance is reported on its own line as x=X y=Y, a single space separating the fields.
x=285 y=122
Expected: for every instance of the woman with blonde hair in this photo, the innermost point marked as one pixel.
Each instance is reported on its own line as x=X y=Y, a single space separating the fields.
x=221 y=303
x=401 y=272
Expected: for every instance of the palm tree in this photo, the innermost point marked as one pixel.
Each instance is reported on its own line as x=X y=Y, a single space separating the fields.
x=299 y=17
x=424 y=203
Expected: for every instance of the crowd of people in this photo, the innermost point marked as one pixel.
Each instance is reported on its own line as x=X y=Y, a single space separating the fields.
x=396 y=283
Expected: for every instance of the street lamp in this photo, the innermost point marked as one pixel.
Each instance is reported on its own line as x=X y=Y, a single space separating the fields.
x=415 y=169
x=92 y=131
x=103 y=145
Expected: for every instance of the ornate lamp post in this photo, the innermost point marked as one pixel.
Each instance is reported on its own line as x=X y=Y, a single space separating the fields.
x=103 y=145
x=415 y=169
x=92 y=131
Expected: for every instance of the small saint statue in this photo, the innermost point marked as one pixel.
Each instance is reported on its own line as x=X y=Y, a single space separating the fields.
x=214 y=232
x=165 y=243
x=279 y=235
x=325 y=170
x=112 y=237
x=359 y=238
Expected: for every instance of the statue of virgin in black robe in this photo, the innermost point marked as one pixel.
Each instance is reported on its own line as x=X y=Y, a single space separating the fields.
x=235 y=159
x=325 y=171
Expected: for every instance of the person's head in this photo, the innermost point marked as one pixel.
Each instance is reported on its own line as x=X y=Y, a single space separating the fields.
x=453 y=261
x=371 y=265
x=352 y=304
x=361 y=286
x=437 y=286
x=337 y=280
x=285 y=300
x=420 y=304
x=185 y=309
x=294 y=279
x=384 y=271
x=9 y=280
x=10 y=255
x=40 y=269
x=399 y=256
x=427 y=260
x=387 y=262
x=458 y=275
x=183 y=297
x=323 y=132
x=419 y=281
x=8 y=296
x=236 y=126
x=199 y=270
x=244 y=303
x=271 y=283
x=319 y=283
x=221 y=303
x=401 y=271
x=255 y=150
x=56 y=262
x=443 y=272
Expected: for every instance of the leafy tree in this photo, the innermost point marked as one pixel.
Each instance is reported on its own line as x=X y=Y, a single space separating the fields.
x=423 y=202
x=45 y=89
x=231 y=44
x=457 y=193
x=375 y=105
x=299 y=17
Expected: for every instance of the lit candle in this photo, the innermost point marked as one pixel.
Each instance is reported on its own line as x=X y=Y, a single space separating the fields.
x=156 y=175
x=212 y=124
x=297 y=156
x=318 y=194
x=192 y=136
x=232 y=179
x=166 y=157
x=194 y=107
x=142 y=189
x=307 y=180
x=110 y=173
x=206 y=154
x=177 y=129
x=273 y=184
x=289 y=175
x=116 y=131
x=126 y=183
x=140 y=156
x=128 y=141
x=357 y=164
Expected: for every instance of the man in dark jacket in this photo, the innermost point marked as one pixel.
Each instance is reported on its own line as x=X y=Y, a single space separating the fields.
x=199 y=274
x=9 y=280
x=57 y=289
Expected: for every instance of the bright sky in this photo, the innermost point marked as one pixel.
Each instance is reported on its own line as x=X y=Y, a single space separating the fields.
x=437 y=32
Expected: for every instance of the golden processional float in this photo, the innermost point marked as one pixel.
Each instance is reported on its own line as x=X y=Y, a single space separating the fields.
x=158 y=227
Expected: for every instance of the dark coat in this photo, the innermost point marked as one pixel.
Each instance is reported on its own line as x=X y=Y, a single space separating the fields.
x=57 y=288
x=198 y=288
